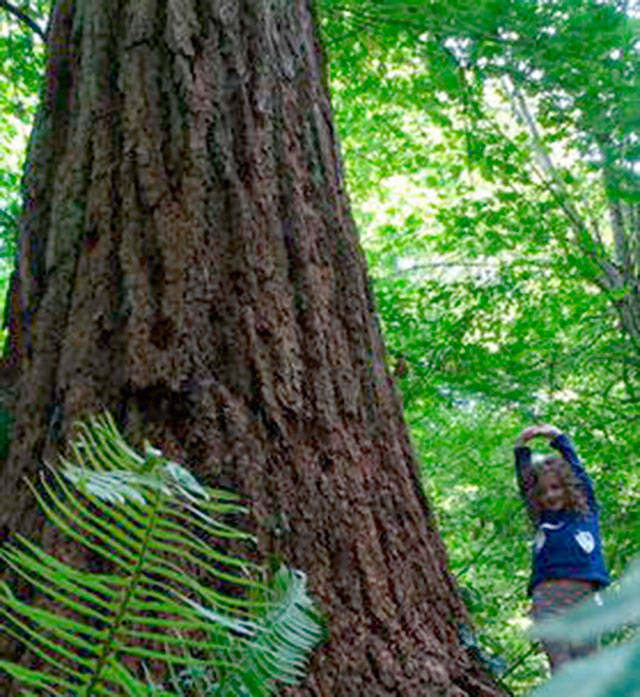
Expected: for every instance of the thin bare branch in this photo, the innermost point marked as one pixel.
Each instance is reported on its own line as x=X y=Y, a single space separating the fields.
x=521 y=110
x=24 y=17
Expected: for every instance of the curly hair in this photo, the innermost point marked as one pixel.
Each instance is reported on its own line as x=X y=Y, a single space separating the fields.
x=575 y=497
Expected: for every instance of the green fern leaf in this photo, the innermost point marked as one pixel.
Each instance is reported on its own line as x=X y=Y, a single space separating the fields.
x=614 y=672
x=281 y=640
x=159 y=533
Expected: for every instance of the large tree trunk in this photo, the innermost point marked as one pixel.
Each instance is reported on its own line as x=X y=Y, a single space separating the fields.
x=187 y=260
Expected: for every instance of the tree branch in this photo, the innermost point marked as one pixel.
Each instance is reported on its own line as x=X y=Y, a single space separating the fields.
x=23 y=17
x=556 y=186
x=616 y=214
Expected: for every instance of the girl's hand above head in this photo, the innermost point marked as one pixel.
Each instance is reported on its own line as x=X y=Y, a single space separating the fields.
x=549 y=431
x=528 y=433
x=546 y=430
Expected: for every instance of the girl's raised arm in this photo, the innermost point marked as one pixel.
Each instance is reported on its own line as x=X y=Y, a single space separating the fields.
x=563 y=444
x=524 y=470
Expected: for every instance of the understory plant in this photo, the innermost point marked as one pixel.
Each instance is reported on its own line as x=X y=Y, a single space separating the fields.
x=156 y=606
x=613 y=671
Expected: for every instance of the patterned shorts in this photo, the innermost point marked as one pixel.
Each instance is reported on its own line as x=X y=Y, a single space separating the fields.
x=552 y=598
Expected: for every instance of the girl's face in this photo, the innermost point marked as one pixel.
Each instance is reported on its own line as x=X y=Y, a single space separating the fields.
x=552 y=495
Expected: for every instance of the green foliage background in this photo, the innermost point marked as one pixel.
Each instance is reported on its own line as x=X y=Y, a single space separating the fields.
x=21 y=66
x=492 y=157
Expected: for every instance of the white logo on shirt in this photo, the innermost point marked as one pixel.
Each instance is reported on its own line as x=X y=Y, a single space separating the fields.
x=541 y=538
x=586 y=541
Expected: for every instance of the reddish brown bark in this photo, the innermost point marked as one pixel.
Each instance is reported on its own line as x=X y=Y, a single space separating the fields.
x=188 y=260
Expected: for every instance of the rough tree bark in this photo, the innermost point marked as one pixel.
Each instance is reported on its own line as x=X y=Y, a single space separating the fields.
x=187 y=259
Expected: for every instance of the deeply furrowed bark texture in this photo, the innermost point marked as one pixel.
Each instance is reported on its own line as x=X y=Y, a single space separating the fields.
x=187 y=259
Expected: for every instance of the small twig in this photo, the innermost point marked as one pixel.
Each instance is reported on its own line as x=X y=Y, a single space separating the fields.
x=476 y=557
x=519 y=661
x=23 y=17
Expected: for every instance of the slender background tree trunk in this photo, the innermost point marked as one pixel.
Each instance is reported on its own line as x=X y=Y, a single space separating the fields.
x=187 y=260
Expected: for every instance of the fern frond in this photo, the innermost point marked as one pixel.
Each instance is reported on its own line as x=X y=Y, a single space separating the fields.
x=275 y=645
x=159 y=535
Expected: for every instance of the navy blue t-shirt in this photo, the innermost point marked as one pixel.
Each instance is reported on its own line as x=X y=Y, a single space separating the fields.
x=567 y=544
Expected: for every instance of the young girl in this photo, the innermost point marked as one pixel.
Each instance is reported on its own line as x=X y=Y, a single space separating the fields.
x=567 y=552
